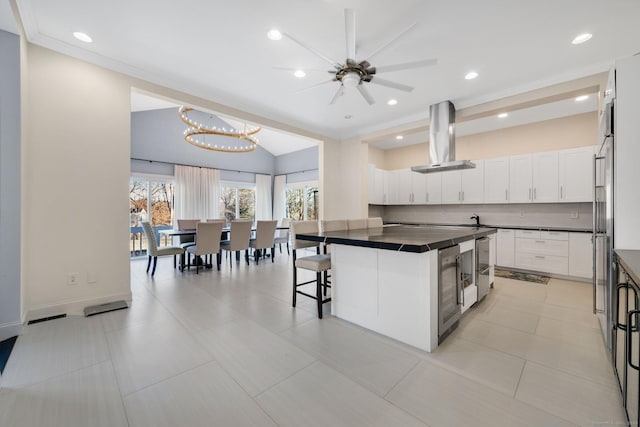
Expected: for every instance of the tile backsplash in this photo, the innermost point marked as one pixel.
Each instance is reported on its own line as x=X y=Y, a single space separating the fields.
x=564 y=215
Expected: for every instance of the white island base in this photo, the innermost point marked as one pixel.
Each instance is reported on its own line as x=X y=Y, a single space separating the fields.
x=390 y=292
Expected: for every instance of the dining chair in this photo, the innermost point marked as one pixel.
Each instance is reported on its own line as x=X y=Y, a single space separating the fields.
x=240 y=231
x=282 y=235
x=265 y=237
x=318 y=263
x=153 y=251
x=186 y=241
x=207 y=243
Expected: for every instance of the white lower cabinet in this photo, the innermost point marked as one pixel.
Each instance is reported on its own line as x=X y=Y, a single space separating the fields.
x=505 y=248
x=543 y=251
x=580 y=255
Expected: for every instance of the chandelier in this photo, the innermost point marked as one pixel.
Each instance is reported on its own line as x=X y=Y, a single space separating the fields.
x=226 y=140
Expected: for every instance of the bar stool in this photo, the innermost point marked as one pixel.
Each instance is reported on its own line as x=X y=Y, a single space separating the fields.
x=318 y=263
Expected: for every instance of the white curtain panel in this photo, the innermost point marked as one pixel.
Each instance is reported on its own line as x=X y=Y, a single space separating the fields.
x=197 y=193
x=279 y=197
x=263 y=196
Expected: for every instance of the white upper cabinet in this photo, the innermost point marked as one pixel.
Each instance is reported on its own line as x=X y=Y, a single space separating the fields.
x=545 y=177
x=496 y=180
x=377 y=185
x=521 y=179
x=473 y=183
x=451 y=187
x=576 y=175
x=464 y=186
x=434 y=188
x=418 y=188
x=393 y=187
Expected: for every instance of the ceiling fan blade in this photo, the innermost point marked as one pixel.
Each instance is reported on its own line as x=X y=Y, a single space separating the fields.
x=393 y=85
x=316 y=85
x=350 y=33
x=333 y=63
x=304 y=69
x=338 y=94
x=365 y=94
x=407 y=65
x=387 y=44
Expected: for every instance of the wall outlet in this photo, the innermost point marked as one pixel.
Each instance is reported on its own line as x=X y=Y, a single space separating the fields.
x=574 y=215
x=521 y=214
x=91 y=278
x=73 y=279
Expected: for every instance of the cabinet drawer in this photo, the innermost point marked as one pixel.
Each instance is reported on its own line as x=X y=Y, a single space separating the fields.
x=528 y=234
x=554 y=235
x=542 y=247
x=543 y=263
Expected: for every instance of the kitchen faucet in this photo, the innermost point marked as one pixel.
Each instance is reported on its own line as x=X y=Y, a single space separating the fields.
x=477 y=218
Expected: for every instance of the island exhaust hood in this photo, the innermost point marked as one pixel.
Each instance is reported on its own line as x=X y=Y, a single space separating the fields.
x=442 y=141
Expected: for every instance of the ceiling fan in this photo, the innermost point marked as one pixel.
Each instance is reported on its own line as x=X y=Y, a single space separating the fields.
x=352 y=73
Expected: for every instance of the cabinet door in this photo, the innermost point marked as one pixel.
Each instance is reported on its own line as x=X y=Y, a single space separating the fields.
x=403 y=192
x=545 y=177
x=505 y=248
x=392 y=188
x=418 y=188
x=521 y=179
x=371 y=184
x=434 y=188
x=576 y=175
x=580 y=255
x=472 y=183
x=451 y=187
x=496 y=180
x=380 y=186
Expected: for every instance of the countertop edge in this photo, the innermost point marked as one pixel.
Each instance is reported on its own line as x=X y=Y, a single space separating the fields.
x=630 y=260
x=507 y=227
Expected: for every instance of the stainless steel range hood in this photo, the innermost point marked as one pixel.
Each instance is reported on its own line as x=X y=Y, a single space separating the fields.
x=442 y=141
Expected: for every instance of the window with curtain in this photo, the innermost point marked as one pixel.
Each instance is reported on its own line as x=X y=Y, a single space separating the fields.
x=151 y=199
x=237 y=201
x=302 y=201
x=197 y=192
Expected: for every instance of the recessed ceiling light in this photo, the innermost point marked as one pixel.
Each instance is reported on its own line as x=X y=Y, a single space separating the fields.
x=274 y=34
x=299 y=74
x=82 y=37
x=582 y=38
x=471 y=75
x=503 y=115
x=582 y=98
x=392 y=102
x=348 y=116
x=399 y=137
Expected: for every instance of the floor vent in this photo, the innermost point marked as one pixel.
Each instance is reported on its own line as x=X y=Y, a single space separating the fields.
x=104 y=308
x=44 y=319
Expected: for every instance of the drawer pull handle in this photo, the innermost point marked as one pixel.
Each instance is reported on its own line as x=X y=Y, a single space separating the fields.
x=540 y=241
x=539 y=257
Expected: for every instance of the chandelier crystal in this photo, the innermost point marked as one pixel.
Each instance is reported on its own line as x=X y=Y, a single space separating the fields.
x=233 y=141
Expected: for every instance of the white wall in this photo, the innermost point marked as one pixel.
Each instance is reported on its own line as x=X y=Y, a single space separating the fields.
x=10 y=170
x=76 y=174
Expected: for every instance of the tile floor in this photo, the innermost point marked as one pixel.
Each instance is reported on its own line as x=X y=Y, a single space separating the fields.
x=226 y=348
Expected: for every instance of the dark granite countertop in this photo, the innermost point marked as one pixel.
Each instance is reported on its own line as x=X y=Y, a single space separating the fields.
x=405 y=238
x=511 y=227
x=630 y=261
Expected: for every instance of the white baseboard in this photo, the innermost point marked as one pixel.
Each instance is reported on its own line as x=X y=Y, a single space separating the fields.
x=73 y=308
x=8 y=330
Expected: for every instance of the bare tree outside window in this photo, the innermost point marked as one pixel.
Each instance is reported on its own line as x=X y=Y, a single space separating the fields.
x=302 y=203
x=237 y=203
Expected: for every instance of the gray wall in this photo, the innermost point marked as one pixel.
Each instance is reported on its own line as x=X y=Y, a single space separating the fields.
x=158 y=135
x=10 y=298
x=298 y=166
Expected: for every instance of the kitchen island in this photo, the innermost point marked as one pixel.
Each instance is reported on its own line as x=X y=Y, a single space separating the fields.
x=386 y=279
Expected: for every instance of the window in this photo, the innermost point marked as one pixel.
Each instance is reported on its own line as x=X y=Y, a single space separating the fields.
x=237 y=201
x=153 y=195
x=302 y=201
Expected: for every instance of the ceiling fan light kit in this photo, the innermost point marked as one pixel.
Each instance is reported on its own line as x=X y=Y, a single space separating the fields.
x=354 y=74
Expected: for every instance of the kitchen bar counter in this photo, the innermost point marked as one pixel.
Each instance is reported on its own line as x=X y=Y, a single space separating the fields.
x=403 y=238
x=630 y=261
